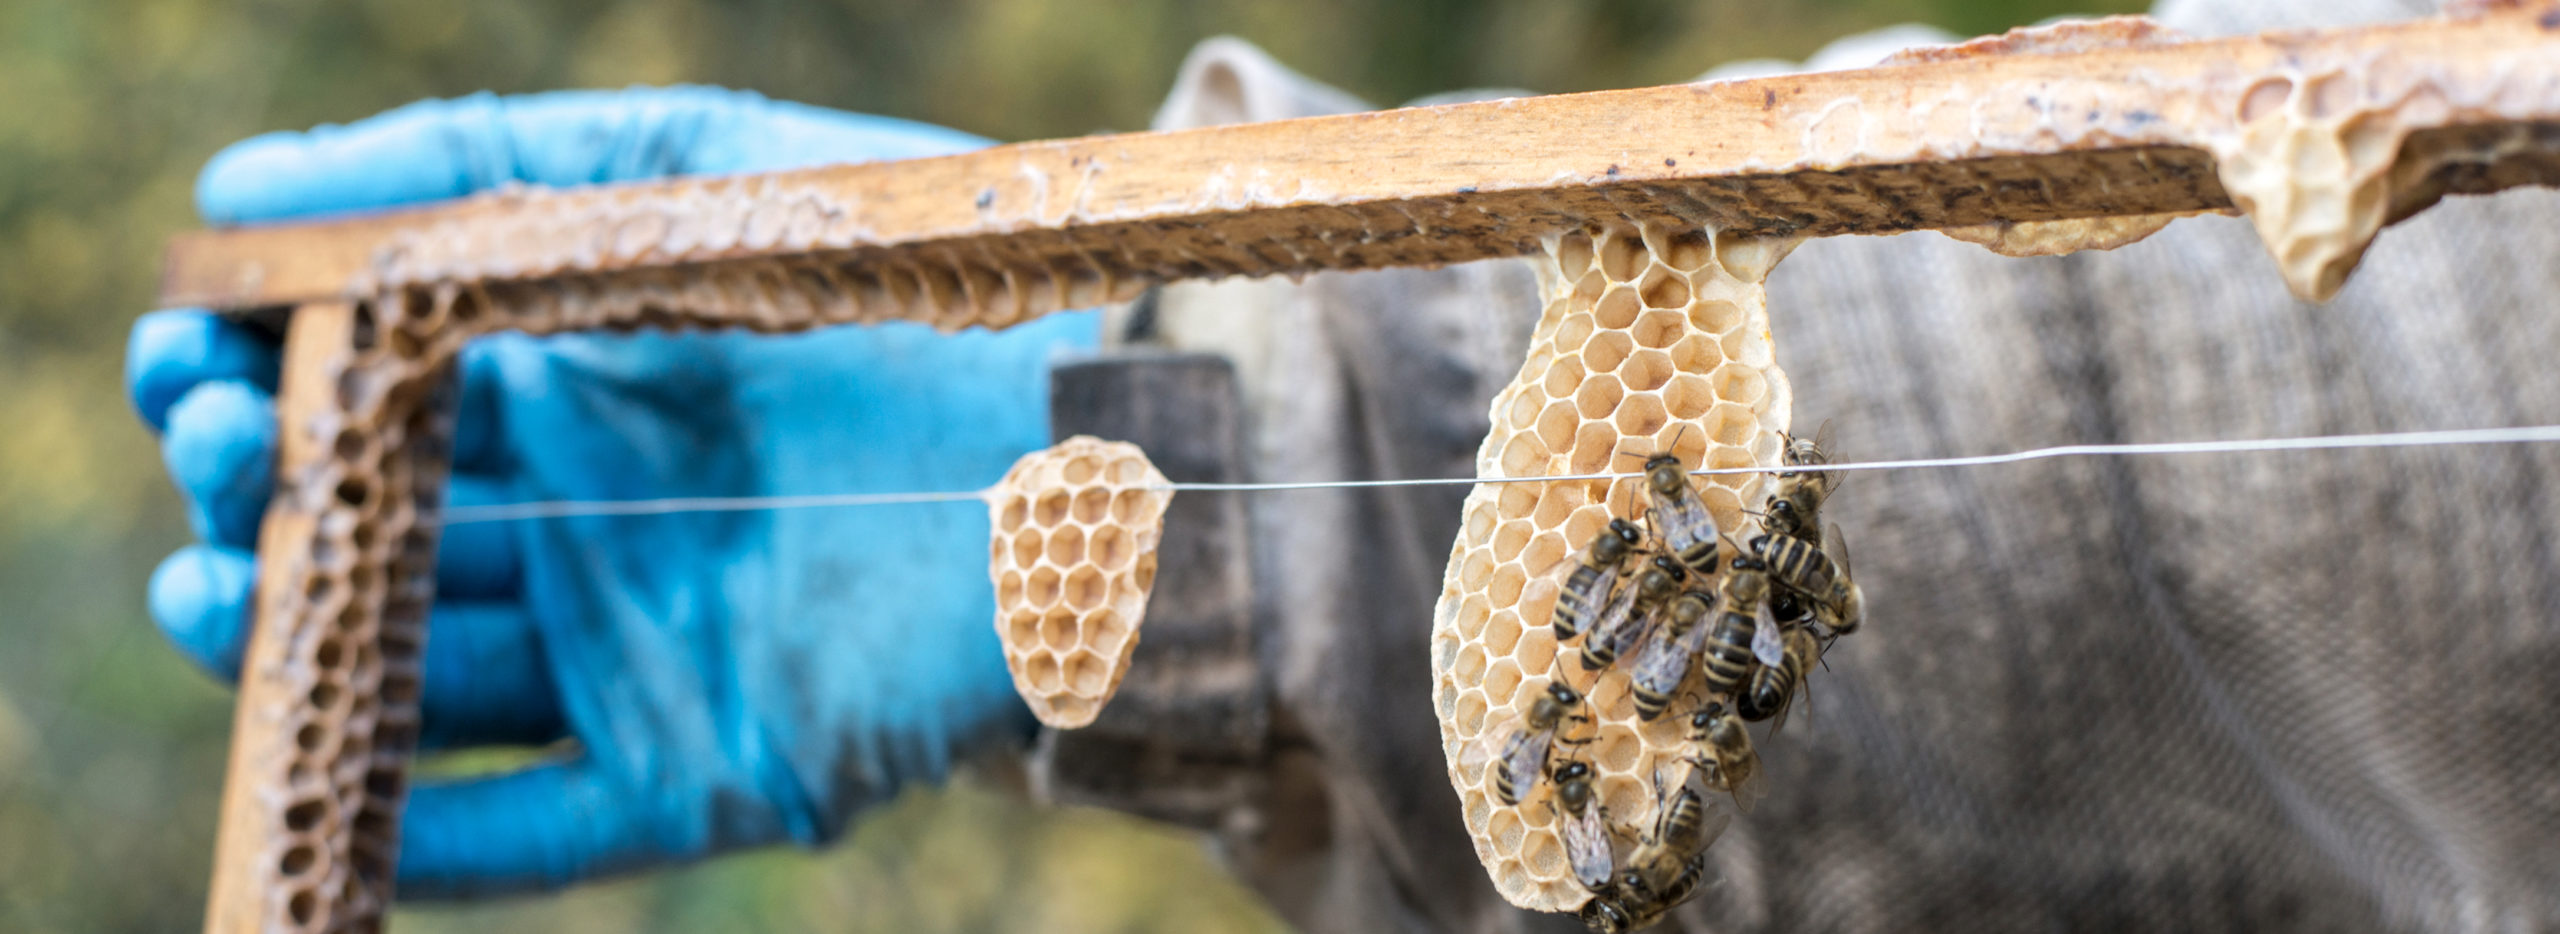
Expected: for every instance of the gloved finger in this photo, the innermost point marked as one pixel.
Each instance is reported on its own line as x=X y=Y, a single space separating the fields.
x=478 y=560
x=200 y=596
x=170 y=352
x=441 y=149
x=220 y=450
x=487 y=679
x=526 y=831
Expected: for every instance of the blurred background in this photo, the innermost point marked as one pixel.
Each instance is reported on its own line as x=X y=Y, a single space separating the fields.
x=111 y=745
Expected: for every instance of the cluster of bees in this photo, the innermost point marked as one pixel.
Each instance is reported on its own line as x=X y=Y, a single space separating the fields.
x=1751 y=621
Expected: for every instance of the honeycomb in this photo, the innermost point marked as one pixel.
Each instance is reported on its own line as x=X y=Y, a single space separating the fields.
x=1073 y=553
x=1652 y=339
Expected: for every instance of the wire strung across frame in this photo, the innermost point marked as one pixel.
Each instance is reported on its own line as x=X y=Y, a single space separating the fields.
x=554 y=509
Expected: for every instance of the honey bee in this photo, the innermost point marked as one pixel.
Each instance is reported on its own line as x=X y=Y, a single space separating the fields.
x=1587 y=588
x=1722 y=744
x=1684 y=827
x=1773 y=687
x=1732 y=644
x=1795 y=509
x=1586 y=831
x=1518 y=756
x=1807 y=567
x=1619 y=910
x=1679 y=518
x=1628 y=617
x=1664 y=661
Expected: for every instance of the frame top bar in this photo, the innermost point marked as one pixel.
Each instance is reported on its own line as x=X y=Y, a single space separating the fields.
x=2117 y=117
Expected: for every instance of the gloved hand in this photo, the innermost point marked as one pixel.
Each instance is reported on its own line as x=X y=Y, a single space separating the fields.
x=731 y=679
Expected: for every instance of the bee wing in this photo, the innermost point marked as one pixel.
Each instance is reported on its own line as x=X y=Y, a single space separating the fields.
x=1768 y=637
x=1712 y=826
x=1491 y=746
x=1834 y=548
x=1659 y=665
x=1752 y=785
x=1586 y=843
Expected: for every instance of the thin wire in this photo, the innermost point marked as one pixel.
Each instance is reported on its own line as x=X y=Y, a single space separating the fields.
x=550 y=509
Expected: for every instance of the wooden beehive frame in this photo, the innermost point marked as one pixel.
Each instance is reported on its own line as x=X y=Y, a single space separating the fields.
x=1998 y=137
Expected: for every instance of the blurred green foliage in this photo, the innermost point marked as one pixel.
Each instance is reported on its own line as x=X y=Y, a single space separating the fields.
x=111 y=748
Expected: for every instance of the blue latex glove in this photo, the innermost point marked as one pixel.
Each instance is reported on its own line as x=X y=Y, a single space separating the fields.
x=732 y=679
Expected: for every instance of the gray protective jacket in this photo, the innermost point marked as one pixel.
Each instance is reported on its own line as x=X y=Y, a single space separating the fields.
x=2307 y=691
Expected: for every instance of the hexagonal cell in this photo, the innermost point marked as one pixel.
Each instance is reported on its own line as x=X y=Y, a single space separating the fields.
x=1722 y=501
x=1584 y=525
x=1477 y=569
x=1470 y=708
x=1050 y=509
x=1509 y=539
x=1556 y=425
x=1501 y=679
x=1697 y=353
x=1622 y=256
x=1144 y=575
x=1689 y=446
x=1606 y=349
x=1524 y=409
x=1502 y=633
x=1022 y=628
x=1085 y=588
x=1573 y=330
x=1092 y=505
x=1472 y=612
x=1043 y=589
x=1642 y=416
x=1573 y=256
x=2264 y=98
x=1508 y=579
x=1687 y=251
x=1646 y=370
x=1087 y=673
x=1506 y=830
x=1044 y=673
x=1730 y=458
x=1562 y=377
x=1026 y=548
x=1663 y=288
x=1129 y=507
x=1616 y=309
x=1469 y=666
x=1128 y=471
x=1537 y=651
x=1110 y=548
x=1066 y=545
x=1617 y=746
x=1625 y=795
x=1594 y=447
x=1545 y=551
x=1081 y=470
x=1716 y=316
x=1556 y=502
x=1688 y=397
x=1015 y=510
x=1746 y=347
x=1524 y=456
x=1731 y=424
x=1542 y=855
x=1058 y=629
x=1072 y=708
x=1106 y=631
x=1587 y=289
